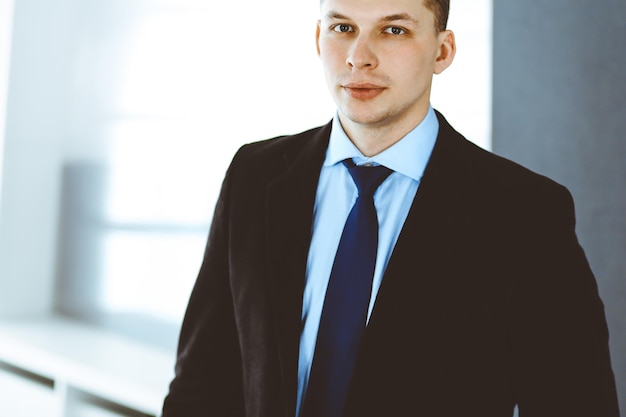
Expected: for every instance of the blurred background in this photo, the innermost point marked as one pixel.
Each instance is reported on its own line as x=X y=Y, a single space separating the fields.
x=118 y=119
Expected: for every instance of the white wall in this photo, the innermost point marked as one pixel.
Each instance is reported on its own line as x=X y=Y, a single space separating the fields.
x=463 y=91
x=35 y=112
x=6 y=25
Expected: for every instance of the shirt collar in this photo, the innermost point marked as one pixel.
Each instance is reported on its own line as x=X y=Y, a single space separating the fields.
x=408 y=156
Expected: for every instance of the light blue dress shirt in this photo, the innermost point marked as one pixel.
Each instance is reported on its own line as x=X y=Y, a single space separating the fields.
x=336 y=194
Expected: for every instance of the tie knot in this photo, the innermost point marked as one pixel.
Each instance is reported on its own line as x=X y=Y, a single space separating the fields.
x=367 y=178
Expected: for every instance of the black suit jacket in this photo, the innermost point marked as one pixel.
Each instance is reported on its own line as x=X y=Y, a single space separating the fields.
x=487 y=300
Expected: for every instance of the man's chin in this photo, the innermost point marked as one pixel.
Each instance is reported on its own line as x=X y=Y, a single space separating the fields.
x=363 y=117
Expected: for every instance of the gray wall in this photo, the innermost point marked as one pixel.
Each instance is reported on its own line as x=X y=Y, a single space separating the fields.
x=560 y=109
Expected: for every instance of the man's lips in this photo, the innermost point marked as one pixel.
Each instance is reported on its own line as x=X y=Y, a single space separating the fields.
x=363 y=91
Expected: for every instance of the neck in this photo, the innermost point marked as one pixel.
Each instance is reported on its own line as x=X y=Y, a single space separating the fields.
x=372 y=139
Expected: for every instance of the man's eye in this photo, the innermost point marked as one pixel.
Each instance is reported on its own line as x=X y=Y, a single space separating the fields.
x=395 y=30
x=342 y=28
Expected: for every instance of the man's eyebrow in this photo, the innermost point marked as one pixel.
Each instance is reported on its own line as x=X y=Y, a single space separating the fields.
x=335 y=15
x=399 y=16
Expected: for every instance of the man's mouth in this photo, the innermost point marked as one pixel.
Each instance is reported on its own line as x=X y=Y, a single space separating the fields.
x=363 y=91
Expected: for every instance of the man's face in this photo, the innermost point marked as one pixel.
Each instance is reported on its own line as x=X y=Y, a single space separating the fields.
x=379 y=57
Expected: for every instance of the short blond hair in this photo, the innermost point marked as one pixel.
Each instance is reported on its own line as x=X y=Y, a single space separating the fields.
x=441 y=10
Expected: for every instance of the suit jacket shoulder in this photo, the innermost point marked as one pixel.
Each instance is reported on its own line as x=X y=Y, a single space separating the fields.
x=485 y=167
x=273 y=156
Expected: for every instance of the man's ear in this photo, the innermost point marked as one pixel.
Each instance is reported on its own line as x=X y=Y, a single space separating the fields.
x=317 y=37
x=447 y=50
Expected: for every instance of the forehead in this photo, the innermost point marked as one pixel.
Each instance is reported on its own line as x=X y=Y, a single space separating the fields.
x=375 y=9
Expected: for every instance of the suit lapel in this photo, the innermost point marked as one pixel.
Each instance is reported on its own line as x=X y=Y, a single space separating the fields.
x=438 y=214
x=423 y=269
x=290 y=202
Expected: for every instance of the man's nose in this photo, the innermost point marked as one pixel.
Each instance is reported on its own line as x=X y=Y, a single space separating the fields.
x=361 y=54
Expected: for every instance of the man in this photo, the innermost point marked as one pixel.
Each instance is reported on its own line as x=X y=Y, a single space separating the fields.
x=478 y=297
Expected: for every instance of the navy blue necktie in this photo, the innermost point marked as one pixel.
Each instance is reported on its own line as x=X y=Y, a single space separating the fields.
x=344 y=314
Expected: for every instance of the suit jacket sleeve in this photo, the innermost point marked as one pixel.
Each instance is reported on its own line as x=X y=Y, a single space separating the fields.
x=208 y=369
x=559 y=337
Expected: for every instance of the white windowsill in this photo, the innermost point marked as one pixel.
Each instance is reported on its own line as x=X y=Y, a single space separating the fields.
x=92 y=360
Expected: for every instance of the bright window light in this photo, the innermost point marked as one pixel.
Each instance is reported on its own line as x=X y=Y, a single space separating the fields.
x=174 y=87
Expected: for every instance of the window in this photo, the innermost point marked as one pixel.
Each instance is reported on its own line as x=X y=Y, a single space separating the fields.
x=146 y=101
